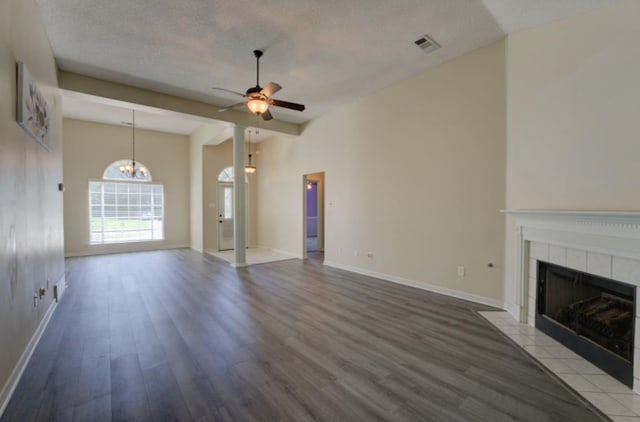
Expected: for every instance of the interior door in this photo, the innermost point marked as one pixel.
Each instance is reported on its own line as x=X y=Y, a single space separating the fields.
x=225 y=216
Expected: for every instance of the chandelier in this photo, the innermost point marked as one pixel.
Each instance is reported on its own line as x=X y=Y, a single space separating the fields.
x=250 y=169
x=134 y=170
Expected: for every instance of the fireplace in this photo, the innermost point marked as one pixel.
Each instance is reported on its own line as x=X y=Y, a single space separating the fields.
x=602 y=243
x=593 y=316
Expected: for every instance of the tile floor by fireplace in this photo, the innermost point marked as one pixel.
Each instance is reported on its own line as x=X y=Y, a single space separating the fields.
x=613 y=398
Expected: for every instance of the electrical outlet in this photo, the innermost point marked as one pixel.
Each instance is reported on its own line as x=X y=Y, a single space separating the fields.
x=461 y=271
x=355 y=253
x=369 y=254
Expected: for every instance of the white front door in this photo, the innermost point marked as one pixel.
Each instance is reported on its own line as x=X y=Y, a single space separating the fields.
x=225 y=216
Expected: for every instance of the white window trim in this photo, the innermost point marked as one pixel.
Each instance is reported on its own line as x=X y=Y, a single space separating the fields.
x=147 y=183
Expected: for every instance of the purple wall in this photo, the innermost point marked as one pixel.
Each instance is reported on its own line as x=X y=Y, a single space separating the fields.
x=312 y=200
x=312 y=210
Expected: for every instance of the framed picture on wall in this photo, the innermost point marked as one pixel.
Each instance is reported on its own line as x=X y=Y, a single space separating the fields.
x=32 y=113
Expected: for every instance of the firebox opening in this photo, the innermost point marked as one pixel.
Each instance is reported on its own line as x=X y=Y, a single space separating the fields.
x=591 y=315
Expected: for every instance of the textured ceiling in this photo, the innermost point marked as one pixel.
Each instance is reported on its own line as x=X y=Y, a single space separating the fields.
x=323 y=53
x=515 y=15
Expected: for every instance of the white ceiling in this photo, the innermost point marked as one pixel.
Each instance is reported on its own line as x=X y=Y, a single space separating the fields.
x=323 y=53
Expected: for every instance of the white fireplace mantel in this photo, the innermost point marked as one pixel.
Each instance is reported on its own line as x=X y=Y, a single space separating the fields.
x=619 y=224
x=613 y=233
x=604 y=243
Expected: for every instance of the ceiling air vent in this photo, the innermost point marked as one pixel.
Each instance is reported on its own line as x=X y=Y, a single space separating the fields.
x=427 y=44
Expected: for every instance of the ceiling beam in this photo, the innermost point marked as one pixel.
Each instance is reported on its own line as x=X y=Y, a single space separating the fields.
x=82 y=86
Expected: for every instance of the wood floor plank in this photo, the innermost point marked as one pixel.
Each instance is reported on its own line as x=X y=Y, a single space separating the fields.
x=164 y=395
x=128 y=393
x=178 y=335
x=201 y=398
x=95 y=410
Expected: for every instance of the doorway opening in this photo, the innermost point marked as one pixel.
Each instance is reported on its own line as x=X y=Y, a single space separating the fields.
x=313 y=218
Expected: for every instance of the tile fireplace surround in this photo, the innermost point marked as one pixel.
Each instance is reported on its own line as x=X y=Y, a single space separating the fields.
x=604 y=243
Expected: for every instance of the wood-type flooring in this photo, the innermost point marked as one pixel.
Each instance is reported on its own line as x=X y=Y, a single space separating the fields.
x=178 y=335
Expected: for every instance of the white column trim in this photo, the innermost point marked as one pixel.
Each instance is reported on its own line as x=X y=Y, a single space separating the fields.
x=522 y=288
x=239 y=198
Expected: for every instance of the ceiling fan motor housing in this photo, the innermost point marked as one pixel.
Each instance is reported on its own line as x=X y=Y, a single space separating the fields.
x=259 y=98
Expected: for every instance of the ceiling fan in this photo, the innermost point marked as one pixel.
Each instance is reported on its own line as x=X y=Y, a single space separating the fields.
x=258 y=99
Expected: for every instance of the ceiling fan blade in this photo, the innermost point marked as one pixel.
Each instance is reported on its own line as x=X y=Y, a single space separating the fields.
x=267 y=115
x=227 y=108
x=229 y=91
x=270 y=89
x=287 y=104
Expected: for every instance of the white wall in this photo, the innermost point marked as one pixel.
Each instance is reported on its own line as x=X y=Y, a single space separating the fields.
x=415 y=174
x=573 y=116
x=90 y=147
x=31 y=239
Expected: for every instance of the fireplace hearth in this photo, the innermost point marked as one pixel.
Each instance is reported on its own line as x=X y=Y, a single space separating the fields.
x=591 y=315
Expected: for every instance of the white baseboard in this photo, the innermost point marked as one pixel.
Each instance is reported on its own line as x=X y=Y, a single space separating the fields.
x=513 y=309
x=289 y=254
x=424 y=286
x=123 y=248
x=11 y=384
x=280 y=251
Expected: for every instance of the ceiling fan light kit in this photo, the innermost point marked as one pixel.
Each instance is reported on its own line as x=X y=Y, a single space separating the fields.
x=257 y=105
x=259 y=98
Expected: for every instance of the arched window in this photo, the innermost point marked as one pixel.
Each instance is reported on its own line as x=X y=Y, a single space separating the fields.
x=115 y=172
x=226 y=175
x=121 y=209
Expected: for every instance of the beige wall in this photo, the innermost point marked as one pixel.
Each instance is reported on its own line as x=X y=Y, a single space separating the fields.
x=414 y=173
x=215 y=159
x=196 y=228
x=90 y=147
x=207 y=134
x=573 y=115
x=31 y=240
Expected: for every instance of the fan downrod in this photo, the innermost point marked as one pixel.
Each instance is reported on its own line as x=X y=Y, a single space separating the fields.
x=258 y=54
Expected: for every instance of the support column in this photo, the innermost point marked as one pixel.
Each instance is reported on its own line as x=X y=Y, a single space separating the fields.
x=239 y=198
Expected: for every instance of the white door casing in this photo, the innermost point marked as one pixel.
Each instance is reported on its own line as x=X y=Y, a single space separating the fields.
x=225 y=216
